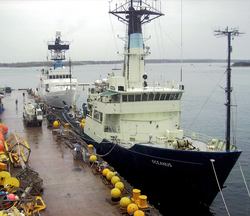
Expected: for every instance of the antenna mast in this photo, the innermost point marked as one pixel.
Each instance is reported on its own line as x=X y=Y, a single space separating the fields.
x=234 y=32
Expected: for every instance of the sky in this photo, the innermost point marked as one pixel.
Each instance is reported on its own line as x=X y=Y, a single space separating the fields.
x=93 y=32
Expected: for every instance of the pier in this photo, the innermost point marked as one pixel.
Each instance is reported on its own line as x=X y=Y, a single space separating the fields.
x=69 y=186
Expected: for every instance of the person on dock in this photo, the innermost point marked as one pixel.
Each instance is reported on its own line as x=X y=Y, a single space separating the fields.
x=16 y=102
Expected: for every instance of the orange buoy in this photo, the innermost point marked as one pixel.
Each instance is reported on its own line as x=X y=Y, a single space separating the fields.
x=139 y=213
x=2 y=147
x=131 y=208
x=105 y=171
x=5 y=129
x=1 y=137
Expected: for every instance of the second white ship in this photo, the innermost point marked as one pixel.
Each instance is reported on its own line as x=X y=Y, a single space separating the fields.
x=57 y=87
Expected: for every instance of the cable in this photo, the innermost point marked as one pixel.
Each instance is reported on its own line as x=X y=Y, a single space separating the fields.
x=205 y=102
x=212 y=161
x=244 y=179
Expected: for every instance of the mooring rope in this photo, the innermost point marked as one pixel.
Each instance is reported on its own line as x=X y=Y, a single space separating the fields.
x=244 y=179
x=212 y=161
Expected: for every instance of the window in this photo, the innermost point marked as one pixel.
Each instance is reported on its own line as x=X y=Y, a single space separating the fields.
x=131 y=98
x=162 y=96
x=60 y=76
x=176 y=96
x=50 y=77
x=63 y=76
x=167 y=97
x=124 y=98
x=151 y=97
x=144 y=97
x=179 y=96
x=138 y=97
x=172 y=96
x=157 y=96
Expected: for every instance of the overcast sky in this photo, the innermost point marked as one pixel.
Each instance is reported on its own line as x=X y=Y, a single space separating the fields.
x=26 y=25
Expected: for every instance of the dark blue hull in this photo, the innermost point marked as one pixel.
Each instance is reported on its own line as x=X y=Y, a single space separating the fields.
x=170 y=174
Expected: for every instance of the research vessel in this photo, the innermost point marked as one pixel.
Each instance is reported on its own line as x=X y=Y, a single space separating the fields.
x=136 y=127
x=57 y=86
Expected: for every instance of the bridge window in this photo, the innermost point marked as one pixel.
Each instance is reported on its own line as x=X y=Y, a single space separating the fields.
x=144 y=97
x=172 y=96
x=131 y=98
x=138 y=97
x=162 y=96
x=167 y=97
x=151 y=97
x=157 y=96
x=124 y=98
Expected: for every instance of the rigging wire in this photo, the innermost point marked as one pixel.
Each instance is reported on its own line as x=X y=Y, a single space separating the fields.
x=113 y=32
x=181 y=42
x=244 y=179
x=205 y=102
x=185 y=54
x=159 y=48
x=234 y=124
x=212 y=161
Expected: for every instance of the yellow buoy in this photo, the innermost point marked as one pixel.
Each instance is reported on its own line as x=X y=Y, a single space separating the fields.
x=93 y=158
x=109 y=175
x=83 y=120
x=3 y=176
x=139 y=213
x=115 y=193
x=105 y=171
x=124 y=202
x=82 y=125
x=11 y=183
x=131 y=208
x=119 y=185
x=56 y=123
x=115 y=179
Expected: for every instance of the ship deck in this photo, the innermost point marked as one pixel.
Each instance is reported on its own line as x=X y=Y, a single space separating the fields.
x=70 y=187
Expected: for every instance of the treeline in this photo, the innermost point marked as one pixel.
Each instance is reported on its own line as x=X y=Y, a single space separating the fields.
x=241 y=64
x=75 y=63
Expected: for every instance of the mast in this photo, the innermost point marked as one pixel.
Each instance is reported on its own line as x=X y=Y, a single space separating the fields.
x=228 y=90
x=135 y=13
x=57 y=49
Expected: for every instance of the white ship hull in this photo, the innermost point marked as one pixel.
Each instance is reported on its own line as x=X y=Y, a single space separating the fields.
x=61 y=98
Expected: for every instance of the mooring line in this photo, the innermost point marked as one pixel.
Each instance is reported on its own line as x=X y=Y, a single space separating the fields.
x=212 y=161
x=244 y=179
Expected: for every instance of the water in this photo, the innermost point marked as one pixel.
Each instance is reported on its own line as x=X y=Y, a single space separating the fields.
x=202 y=86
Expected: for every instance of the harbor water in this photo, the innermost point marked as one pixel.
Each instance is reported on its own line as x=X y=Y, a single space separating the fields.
x=203 y=111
